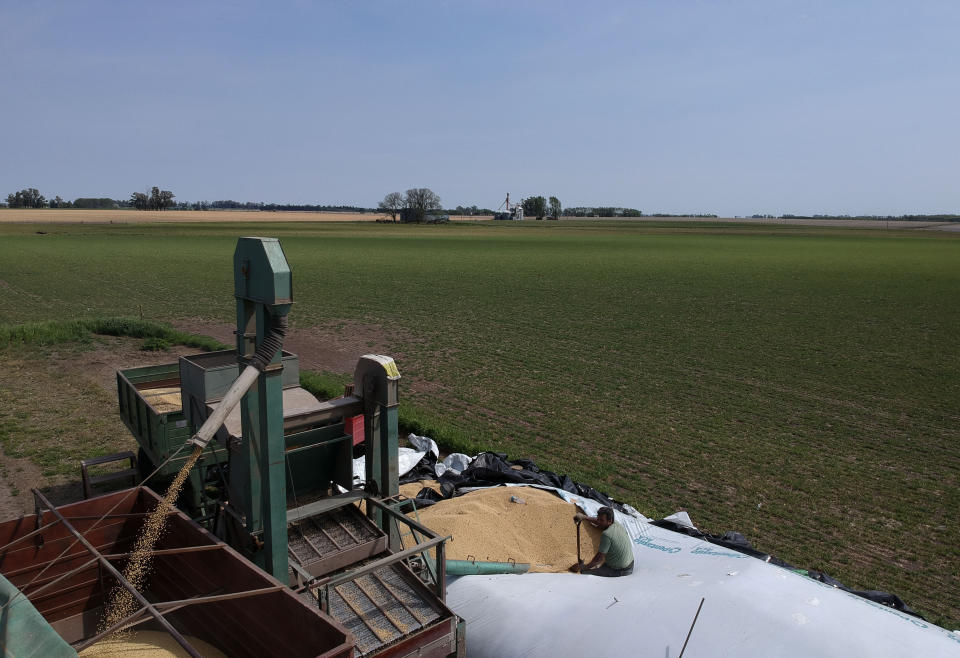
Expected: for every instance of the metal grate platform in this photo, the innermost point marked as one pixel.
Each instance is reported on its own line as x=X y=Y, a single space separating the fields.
x=319 y=537
x=381 y=607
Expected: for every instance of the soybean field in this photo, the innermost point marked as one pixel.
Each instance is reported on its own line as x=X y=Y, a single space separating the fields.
x=799 y=385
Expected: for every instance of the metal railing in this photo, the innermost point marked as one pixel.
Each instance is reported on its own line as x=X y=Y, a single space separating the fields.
x=436 y=570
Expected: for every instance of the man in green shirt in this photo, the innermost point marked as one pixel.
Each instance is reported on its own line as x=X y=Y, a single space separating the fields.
x=615 y=555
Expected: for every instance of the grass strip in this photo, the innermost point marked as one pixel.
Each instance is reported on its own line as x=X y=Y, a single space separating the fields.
x=324 y=385
x=411 y=418
x=80 y=330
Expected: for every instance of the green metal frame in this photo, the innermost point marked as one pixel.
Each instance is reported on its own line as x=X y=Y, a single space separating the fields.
x=376 y=380
x=160 y=435
x=263 y=289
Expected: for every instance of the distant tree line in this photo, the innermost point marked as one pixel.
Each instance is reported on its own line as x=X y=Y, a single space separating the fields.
x=602 y=211
x=540 y=207
x=90 y=204
x=157 y=199
x=31 y=198
x=418 y=204
x=683 y=214
x=468 y=211
x=27 y=198
x=902 y=218
x=229 y=204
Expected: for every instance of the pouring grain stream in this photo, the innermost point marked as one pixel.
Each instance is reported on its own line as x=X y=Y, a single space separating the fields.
x=122 y=604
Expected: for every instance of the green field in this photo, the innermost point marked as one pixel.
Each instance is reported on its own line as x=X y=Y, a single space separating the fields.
x=799 y=385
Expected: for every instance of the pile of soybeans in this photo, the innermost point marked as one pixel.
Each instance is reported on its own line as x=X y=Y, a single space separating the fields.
x=163 y=400
x=487 y=526
x=147 y=644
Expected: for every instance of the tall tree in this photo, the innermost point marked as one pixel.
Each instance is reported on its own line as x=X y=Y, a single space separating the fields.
x=392 y=204
x=555 y=207
x=157 y=199
x=419 y=201
x=26 y=198
x=535 y=206
x=139 y=200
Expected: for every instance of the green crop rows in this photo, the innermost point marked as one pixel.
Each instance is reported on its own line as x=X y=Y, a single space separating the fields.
x=798 y=385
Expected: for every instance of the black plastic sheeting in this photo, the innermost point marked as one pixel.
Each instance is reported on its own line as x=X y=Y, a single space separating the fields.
x=489 y=469
x=737 y=542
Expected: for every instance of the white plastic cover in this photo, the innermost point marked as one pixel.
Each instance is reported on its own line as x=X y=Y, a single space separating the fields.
x=408 y=458
x=456 y=462
x=424 y=444
x=751 y=608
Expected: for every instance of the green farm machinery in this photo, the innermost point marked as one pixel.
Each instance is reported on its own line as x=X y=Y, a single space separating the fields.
x=275 y=477
x=163 y=405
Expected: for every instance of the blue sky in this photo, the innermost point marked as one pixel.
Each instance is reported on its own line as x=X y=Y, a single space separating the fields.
x=772 y=106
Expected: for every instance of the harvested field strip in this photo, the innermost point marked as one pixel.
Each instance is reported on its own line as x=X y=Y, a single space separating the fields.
x=129 y=216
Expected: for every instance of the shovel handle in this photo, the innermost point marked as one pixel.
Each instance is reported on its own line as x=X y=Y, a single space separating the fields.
x=578 y=542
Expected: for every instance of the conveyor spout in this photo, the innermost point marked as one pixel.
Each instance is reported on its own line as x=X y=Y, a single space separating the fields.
x=215 y=420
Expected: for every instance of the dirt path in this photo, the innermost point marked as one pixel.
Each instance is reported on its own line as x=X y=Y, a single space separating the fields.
x=17 y=476
x=42 y=382
x=38 y=383
x=334 y=349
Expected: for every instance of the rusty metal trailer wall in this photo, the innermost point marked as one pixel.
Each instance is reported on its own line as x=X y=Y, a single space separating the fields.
x=216 y=594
